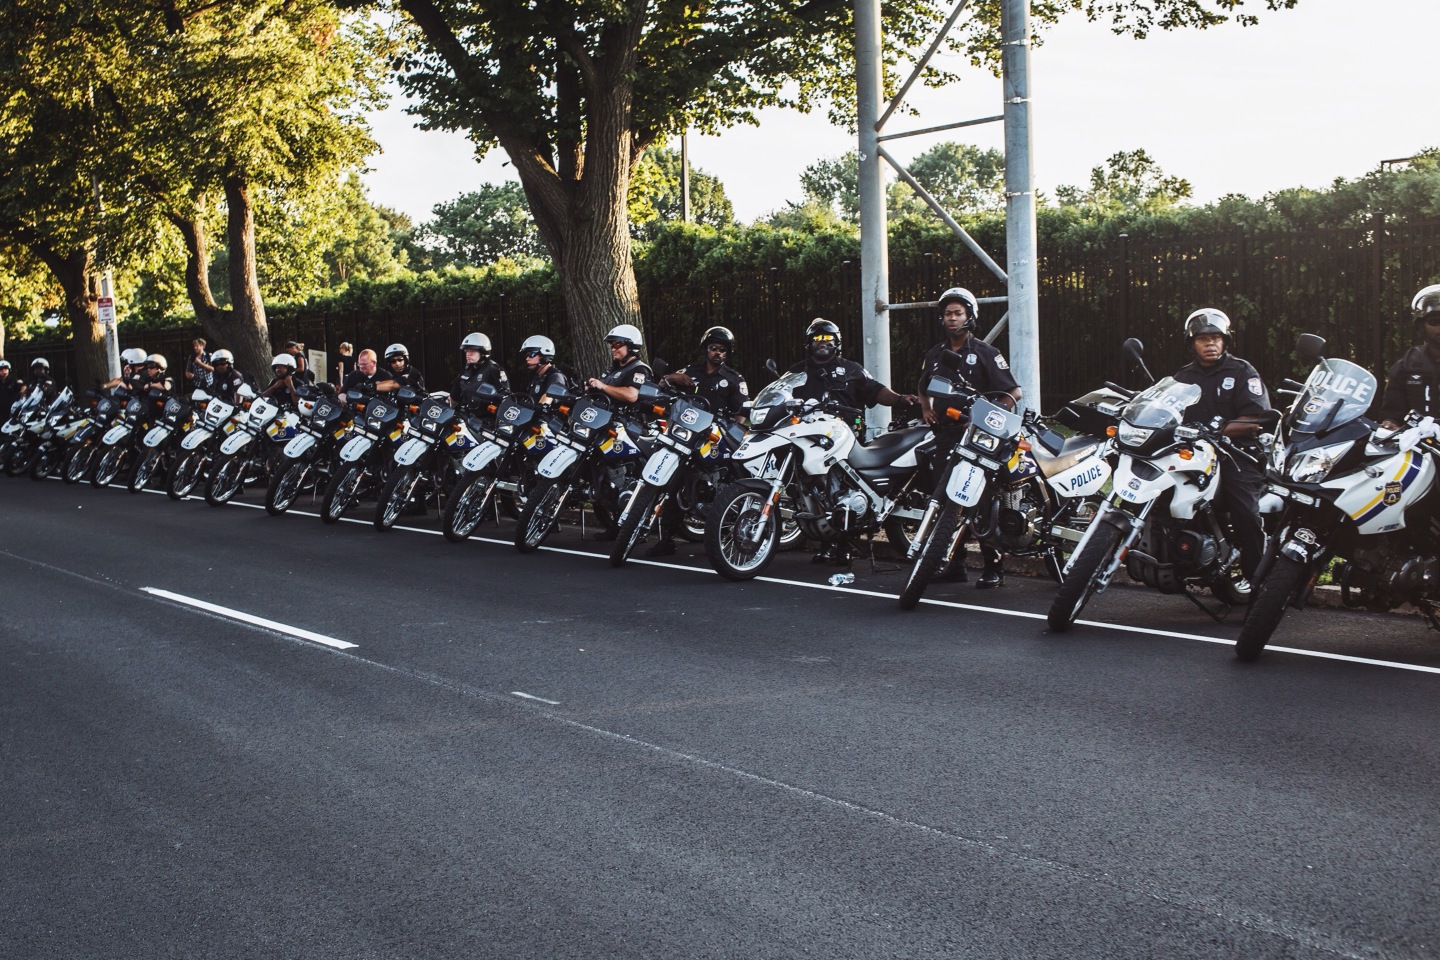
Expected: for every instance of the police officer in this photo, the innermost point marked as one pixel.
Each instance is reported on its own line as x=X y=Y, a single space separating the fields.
x=367 y=377
x=829 y=376
x=9 y=389
x=402 y=374
x=132 y=372
x=1414 y=382
x=478 y=369
x=1232 y=399
x=539 y=355
x=621 y=383
x=284 y=389
x=40 y=380
x=722 y=387
x=985 y=368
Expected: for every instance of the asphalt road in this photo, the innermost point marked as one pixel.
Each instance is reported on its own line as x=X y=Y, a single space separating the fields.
x=542 y=756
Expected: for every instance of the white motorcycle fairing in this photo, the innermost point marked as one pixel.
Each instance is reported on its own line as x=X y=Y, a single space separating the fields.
x=236 y=442
x=195 y=438
x=157 y=435
x=1377 y=497
x=299 y=445
x=410 y=451
x=355 y=448
x=1085 y=478
x=1133 y=488
x=115 y=434
x=822 y=440
x=661 y=467
x=966 y=483
x=557 y=461
x=482 y=456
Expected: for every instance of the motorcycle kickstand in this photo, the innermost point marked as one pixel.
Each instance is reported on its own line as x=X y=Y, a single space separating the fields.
x=1224 y=607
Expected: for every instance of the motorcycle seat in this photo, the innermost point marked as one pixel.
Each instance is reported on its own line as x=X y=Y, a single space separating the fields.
x=1072 y=451
x=886 y=448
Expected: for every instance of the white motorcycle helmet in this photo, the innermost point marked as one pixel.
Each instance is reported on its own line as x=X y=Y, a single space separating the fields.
x=545 y=345
x=626 y=333
x=40 y=362
x=158 y=360
x=134 y=356
x=396 y=350
x=476 y=341
x=283 y=360
x=219 y=355
x=5 y=364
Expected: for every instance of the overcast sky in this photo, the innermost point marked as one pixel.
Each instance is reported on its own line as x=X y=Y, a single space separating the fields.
x=1326 y=90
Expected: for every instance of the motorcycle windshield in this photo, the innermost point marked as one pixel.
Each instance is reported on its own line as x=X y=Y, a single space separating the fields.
x=993 y=419
x=690 y=417
x=1163 y=405
x=326 y=411
x=105 y=407
x=435 y=417
x=379 y=414
x=514 y=414
x=1337 y=392
x=588 y=416
x=781 y=390
x=134 y=408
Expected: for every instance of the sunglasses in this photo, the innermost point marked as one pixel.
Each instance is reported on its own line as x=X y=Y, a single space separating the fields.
x=822 y=338
x=1432 y=321
x=533 y=353
x=718 y=346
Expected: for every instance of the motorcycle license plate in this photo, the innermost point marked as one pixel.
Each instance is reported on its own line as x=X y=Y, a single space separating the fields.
x=557 y=461
x=661 y=467
x=965 y=485
x=481 y=457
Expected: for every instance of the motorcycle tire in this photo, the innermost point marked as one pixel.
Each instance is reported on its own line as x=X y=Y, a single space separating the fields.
x=107 y=468
x=540 y=514
x=1079 y=585
x=226 y=479
x=733 y=517
x=285 y=485
x=900 y=532
x=341 y=494
x=77 y=462
x=21 y=458
x=641 y=515
x=396 y=492
x=144 y=471
x=1267 y=607
x=935 y=555
x=186 y=475
x=45 y=462
x=467 y=505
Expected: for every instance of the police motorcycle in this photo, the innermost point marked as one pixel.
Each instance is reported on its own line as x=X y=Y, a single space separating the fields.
x=62 y=425
x=844 y=491
x=504 y=462
x=120 y=447
x=1012 y=486
x=251 y=443
x=428 y=462
x=1348 y=494
x=161 y=442
x=308 y=457
x=1161 y=519
x=42 y=441
x=22 y=415
x=200 y=444
x=596 y=458
x=84 y=443
x=366 y=456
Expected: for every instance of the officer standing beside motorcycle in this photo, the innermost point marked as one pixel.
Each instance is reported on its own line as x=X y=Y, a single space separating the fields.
x=1232 y=399
x=621 y=384
x=478 y=369
x=829 y=376
x=402 y=374
x=985 y=368
x=9 y=389
x=539 y=355
x=1414 y=382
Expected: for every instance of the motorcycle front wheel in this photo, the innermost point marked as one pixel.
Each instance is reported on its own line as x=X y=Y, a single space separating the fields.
x=640 y=516
x=935 y=555
x=108 y=467
x=342 y=493
x=1268 y=605
x=45 y=462
x=394 y=495
x=1232 y=587
x=467 y=505
x=77 y=462
x=540 y=514
x=21 y=456
x=225 y=481
x=1079 y=584
x=186 y=475
x=144 y=470
x=285 y=485
x=735 y=517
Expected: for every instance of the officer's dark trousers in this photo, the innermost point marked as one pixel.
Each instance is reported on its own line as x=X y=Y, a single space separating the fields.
x=1240 y=488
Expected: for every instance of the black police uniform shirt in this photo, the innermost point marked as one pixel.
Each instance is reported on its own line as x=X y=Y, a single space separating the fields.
x=472 y=375
x=1413 y=384
x=412 y=378
x=838 y=379
x=1229 y=388
x=539 y=386
x=724 y=391
x=365 y=382
x=9 y=393
x=982 y=365
x=631 y=372
x=225 y=384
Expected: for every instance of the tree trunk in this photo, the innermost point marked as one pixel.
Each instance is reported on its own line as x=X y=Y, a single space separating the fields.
x=75 y=272
x=244 y=330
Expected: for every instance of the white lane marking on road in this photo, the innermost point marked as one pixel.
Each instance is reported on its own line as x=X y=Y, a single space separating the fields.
x=250 y=618
x=531 y=696
x=1119 y=627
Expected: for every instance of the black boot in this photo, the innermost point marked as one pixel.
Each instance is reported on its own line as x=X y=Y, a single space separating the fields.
x=994 y=573
x=833 y=553
x=664 y=547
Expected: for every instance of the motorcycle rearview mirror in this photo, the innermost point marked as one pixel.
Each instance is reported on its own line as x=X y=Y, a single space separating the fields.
x=770 y=366
x=1310 y=348
x=659 y=366
x=1134 y=351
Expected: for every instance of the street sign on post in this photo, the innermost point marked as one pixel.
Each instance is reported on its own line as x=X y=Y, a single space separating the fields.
x=105 y=306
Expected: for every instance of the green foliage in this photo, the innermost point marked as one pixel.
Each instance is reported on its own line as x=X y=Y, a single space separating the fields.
x=1130 y=181
x=481 y=227
x=655 y=194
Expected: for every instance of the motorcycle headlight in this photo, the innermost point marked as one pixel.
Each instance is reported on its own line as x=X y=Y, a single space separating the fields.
x=759 y=414
x=1133 y=436
x=582 y=432
x=681 y=434
x=985 y=441
x=1312 y=466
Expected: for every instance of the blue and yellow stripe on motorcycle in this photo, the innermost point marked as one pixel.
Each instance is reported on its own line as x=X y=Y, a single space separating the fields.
x=1407 y=473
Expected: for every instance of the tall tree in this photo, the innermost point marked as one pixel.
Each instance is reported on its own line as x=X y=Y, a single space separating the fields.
x=656 y=185
x=482 y=226
x=575 y=90
x=1130 y=181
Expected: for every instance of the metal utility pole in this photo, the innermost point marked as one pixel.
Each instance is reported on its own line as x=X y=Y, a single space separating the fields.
x=105 y=304
x=685 y=177
x=874 y=231
x=1020 y=230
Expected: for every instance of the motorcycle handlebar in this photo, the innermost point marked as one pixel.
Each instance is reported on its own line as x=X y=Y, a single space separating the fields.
x=1123 y=391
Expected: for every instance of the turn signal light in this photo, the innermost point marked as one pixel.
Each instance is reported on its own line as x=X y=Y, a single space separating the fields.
x=953 y=413
x=1185 y=453
x=1111 y=430
x=1023 y=445
x=658 y=410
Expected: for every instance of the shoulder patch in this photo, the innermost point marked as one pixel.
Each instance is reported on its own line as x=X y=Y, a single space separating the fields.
x=638 y=378
x=1001 y=362
x=1256 y=387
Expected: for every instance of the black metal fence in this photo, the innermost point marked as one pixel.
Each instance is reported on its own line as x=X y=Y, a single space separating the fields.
x=1351 y=286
